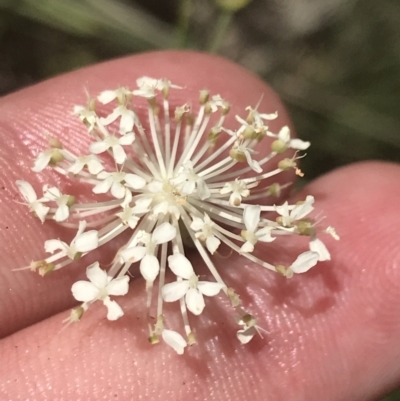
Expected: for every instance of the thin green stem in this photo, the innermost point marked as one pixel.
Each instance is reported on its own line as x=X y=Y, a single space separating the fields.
x=185 y=11
x=220 y=30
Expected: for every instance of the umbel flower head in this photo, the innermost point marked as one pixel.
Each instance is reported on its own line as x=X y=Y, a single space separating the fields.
x=174 y=181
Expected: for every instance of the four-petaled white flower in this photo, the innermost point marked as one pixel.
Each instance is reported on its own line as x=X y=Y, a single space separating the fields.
x=149 y=264
x=301 y=210
x=250 y=328
x=190 y=287
x=284 y=136
x=99 y=287
x=253 y=234
x=302 y=264
x=131 y=215
x=118 y=182
x=52 y=155
x=163 y=202
x=240 y=152
x=82 y=243
x=63 y=202
x=216 y=102
x=239 y=190
x=35 y=205
x=120 y=94
x=115 y=144
x=86 y=114
x=259 y=118
x=205 y=233
x=148 y=86
x=127 y=121
x=92 y=163
x=187 y=181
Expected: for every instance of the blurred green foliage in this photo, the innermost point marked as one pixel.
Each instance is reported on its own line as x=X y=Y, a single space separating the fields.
x=339 y=76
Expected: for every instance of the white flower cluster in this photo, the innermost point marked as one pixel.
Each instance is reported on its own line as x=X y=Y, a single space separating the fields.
x=172 y=189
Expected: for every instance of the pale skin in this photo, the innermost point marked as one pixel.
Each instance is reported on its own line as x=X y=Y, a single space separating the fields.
x=333 y=332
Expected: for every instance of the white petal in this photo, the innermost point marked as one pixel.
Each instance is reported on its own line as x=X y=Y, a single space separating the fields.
x=114 y=311
x=51 y=193
x=284 y=134
x=155 y=186
x=174 y=340
x=62 y=213
x=212 y=244
x=87 y=241
x=149 y=267
x=299 y=144
x=127 y=139
x=27 y=191
x=283 y=210
x=251 y=217
x=303 y=209
x=180 y=265
x=106 y=96
x=127 y=122
x=247 y=247
x=40 y=210
x=165 y=232
x=142 y=205
x=197 y=223
x=134 y=254
x=84 y=291
x=117 y=190
x=195 y=301
x=252 y=163
x=208 y=288
x=171 y=292
x=134 y=181
x=98 y=147
x=76 y=167
x=187 y=187
x=103 y=186
x=316 y=245
x=202 y=189
x=41 y=162
x=110 y=118
x=271 y=116
x=118 y=286
x=94 y=166
x=264 y=235
x=305 y=262
x=246 y=335
x=97 y=276
x=119 y=154
x=53 y=245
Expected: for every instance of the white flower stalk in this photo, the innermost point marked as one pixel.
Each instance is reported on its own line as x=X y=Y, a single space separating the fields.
x=178 y=184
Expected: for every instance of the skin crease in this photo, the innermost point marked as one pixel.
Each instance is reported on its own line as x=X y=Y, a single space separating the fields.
x=332 y=333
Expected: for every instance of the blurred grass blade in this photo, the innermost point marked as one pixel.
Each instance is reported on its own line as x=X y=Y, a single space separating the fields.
x=108 y=19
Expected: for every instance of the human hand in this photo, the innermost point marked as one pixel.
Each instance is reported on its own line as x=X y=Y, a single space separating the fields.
x=332 y=332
